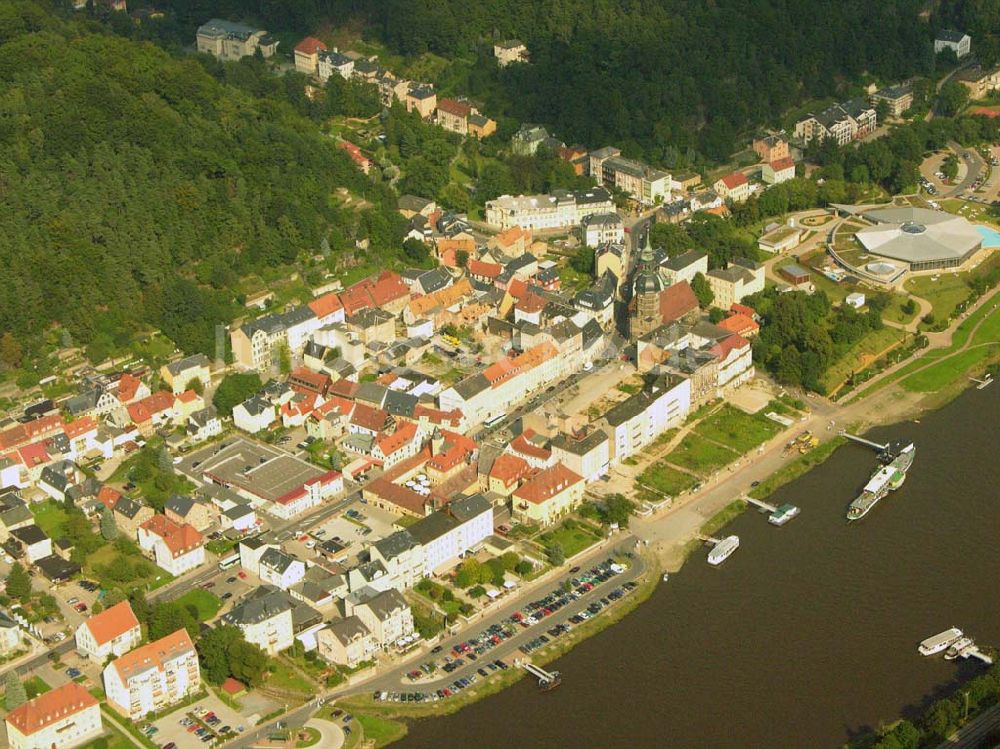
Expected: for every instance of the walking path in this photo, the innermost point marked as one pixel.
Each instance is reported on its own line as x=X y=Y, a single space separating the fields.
x=974 y=733
x=331 y=736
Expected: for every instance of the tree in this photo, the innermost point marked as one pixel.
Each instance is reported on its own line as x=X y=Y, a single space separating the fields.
x=583 y=261
x=247 y=662
x=701 y=289
x=233 y=390
x=213 y=651
x=617 y=509
x=672 y=238
x=14 y=691
x=949 y=167
x=284 y=358
x=171 y=616
x=952 y=98
x=196 y=385
x=108 y=528
x=554 y=552
x=165 y=461
x=469 y=573
x=462 y=258
x=716 y=315
x=523 y=568
x=18 y=583
x=10 y=351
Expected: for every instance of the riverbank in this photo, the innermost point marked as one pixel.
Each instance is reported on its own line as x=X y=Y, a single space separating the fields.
x=361 y=705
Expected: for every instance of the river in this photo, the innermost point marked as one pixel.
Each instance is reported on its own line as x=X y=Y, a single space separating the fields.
x=807 y=635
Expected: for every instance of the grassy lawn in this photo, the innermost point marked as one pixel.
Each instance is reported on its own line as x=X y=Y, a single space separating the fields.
x=985 y=344
x=35 y=686
x=665 y=479
x=860 y=355
x=283 y=676
x=115 y=741
x=312 y=738
x=207 y=603
x=737 y=429
x=109 y=558
x=949 y=289
x=573 y=280
x=380 y=730
x=699 y=455
x=50 y=517
x=894 y=312
x=573 y=540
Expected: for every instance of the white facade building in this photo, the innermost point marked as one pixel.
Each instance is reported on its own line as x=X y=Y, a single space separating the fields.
x=153 y=676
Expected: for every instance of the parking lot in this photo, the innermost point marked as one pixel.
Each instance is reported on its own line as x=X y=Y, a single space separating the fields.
x=197 y=724
x=359 y=524
x=230 y=587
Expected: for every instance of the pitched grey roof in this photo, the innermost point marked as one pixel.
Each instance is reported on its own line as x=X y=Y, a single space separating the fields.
x=179 y=505
x=433 y=526
x=471 y=386
x=128 y=507
x=682 y=261
x=255 y=405
x=582 y=445
x=264 y=603
x=434 y=280
x=466 y=508
x=348 y=630
x=387 y=603
x=277 y=560
x=29 y=534
x=372 y=392
x=188 y=362
x=393 y=545
x=399 y=403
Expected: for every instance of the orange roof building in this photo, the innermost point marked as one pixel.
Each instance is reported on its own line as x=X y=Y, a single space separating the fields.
x=64 y=717
x=153 y=676
x=327 y=308
x=740 y=324
x=177 y=547
x=548 y=495
x=115 y=631
x=506 y=473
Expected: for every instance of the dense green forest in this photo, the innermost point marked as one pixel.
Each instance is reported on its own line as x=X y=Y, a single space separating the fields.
x=655 y=78
x=137 y=188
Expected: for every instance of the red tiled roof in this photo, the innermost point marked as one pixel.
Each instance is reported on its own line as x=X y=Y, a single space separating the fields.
x=108 y=496
x=508 y=368
x=326 y=478
x=369 y=417
x=781 y=164
x=179 y=538
x=153 y=654
x=676 y=301
x=436 y=415
x=188 y=396
x=343 y=388
x=512 y=235
x=404 y=434
x=724 y=347
x=456 y=108
x=388 y=288
x=483 y=270
x=547 y=483
x=310 y=46
x=304 y=379
x=325 y=305
x=112 y=622
x=530 y=303
x=128 y=386
x=743 y=309
x=34 y=454
x=81 y=426
x=524 y=444
x=509 y=468
x=739 y=324
x=734 y=180
x=231 y=686
x=49 y=708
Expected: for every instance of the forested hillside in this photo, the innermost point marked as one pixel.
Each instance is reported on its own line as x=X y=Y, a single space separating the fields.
x=136 y=188
x=655 y=77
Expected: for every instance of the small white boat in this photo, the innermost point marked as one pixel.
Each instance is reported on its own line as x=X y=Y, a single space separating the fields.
x=941 y=641
x=957 y=648
x=723 y=550
x=783 y=514
x=666 y=576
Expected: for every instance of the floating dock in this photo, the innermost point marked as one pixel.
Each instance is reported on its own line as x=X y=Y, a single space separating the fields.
x=776 y=515
x=863 y=441
x=546 y=679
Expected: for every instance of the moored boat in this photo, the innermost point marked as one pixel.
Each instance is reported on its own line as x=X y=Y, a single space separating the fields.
x=723 y=550
x=940 y=641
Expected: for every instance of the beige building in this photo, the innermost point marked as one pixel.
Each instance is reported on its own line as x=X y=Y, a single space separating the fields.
x=265 y=618
x=510 y=51
x=641 y=182
x=730 y=285
x=346 y=642
x=420 y=98
x=179 y=374
x=585 y=453
x=64 y=717
x=734 y=187
x=232 y=41
x=776 y=172
x=548 y=495
x=307 y=55
x=771 y=148
x=897 y=98
x=153 y=677
x=980 y=82
x=129 y=515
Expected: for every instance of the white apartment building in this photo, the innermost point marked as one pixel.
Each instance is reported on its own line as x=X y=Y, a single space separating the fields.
x=176 y=547
x=447 y=534
x=153 y=676
x=280 y=569
x=637 y=421
x=115 y=631
x=232 y=41
x=588 y=454
x=560 y=210
x=265 y=618
x=64 y=717
x=386 y=615
x=254 y=415
x=603 y=228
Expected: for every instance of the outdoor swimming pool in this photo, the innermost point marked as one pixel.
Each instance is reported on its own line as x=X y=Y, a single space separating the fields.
x=991 y=237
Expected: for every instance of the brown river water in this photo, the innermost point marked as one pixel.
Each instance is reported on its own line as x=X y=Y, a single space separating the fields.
x=807 y=635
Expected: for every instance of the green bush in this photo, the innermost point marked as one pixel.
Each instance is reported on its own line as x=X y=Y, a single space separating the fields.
x=478 y=592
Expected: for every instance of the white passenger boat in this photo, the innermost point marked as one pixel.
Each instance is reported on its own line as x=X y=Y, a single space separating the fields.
x=723 y=550
x=939 y=642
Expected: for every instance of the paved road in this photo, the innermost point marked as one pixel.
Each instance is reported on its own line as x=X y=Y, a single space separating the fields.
x=974 y=165
x=394 y=678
